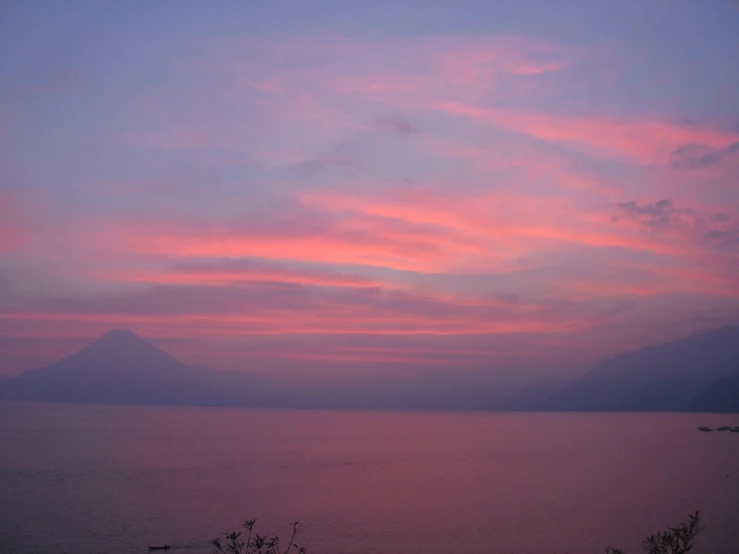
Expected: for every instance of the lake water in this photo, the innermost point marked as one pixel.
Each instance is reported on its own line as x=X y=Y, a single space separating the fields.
x=85 y=479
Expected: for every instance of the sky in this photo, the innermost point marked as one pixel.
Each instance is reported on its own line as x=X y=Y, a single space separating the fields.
x=341 y=188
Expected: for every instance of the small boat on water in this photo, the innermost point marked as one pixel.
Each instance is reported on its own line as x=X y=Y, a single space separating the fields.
x=705 y=429
x=734 y=429
x=163 y=547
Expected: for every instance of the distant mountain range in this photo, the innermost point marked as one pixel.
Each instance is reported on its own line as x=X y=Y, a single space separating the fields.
x=122 y=368
x=695 y=373
x=699 y=373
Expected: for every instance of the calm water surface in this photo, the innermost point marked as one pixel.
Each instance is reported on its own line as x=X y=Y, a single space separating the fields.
x=85 y=479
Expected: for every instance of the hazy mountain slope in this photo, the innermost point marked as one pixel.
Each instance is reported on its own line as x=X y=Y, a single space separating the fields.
x=529 y=397
x=122 y=368
x=657 y=378
x=721 y=396
x=5 y=383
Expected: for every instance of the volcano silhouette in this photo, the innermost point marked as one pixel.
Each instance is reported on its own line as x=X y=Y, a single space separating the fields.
x=122 y=368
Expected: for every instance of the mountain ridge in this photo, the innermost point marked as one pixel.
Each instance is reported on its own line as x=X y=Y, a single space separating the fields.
x=721 y=396
x=122 y=368
x=664 y=377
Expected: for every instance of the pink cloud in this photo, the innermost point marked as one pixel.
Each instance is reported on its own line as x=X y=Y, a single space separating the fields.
x=417 y=230
x=370 y=187
x=12 y=233
x=267 y=310
x=313 y=87
x=347 y=246
x=235 y=274
x=509 y=223
x=642 y=141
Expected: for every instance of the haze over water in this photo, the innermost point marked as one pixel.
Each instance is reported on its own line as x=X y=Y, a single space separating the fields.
x=82 y=479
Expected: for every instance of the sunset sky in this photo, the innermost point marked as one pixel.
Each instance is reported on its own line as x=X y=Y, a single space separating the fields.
x=517 y=188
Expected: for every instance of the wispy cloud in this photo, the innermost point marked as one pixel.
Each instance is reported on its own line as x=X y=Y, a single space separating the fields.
x=413 y=199
x=692 y=156
x=12 y=233
x=393 y=124
x=638 y=140
x=718 y=229
x=230 y=272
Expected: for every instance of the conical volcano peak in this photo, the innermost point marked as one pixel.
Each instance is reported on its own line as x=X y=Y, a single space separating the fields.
x=125 y=343
x=120 y=337
x=121 y=350
x=118 y=368
x=120 y=332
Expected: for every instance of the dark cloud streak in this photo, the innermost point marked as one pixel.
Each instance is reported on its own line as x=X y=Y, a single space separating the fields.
x=698 y=156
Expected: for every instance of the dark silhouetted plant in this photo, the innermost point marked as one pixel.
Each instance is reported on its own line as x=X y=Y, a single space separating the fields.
x=676 y=540
x=235 y=543
x=679 y=539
